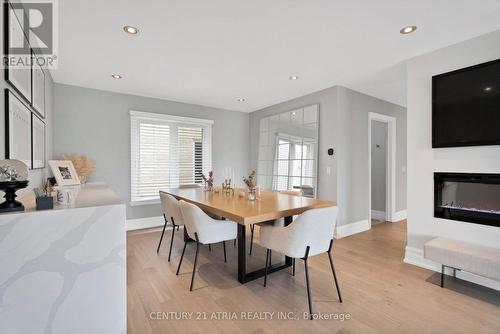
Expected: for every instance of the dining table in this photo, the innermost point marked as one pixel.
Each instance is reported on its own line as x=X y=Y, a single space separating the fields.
x=235 y=206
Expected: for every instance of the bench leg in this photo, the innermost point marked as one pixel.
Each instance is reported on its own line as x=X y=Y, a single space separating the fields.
x=442 y=275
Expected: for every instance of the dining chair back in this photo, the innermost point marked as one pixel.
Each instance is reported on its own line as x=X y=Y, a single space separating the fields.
x=171 y=212
x=204 y=230
x=310 y=234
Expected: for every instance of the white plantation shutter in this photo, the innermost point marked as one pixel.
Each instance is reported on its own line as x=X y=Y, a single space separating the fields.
x=167 y=151
x=190 y=141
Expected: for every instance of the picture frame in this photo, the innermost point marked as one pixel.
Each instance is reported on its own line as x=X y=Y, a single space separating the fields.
x=37 y=142
x=17 y=129
x=37 y=86
x=64 y=172
x=18 y=78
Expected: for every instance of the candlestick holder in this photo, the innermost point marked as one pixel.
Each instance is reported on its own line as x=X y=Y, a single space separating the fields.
x=226 y=187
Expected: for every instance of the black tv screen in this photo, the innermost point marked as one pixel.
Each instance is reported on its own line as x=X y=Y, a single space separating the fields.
x=466 y=106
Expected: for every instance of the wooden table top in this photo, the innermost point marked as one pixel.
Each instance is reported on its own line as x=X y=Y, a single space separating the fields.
x=271 y=205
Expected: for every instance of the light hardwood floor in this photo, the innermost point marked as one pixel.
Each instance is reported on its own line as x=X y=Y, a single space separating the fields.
x=381 y=294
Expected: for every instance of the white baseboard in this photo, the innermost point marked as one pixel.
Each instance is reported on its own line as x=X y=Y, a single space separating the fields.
x=379 y=215
x=415 y=257
x=398 y=216
x=353 y=228
x=147 y=222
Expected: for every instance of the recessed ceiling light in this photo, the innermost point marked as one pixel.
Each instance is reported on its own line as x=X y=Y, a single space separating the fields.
x=116 y=76
x=131 y=30
x=488 y=88
x=241 y=100
x=294 y=77
x=408 y=30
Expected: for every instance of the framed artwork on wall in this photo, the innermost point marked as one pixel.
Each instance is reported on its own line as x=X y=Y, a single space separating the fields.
x=37 y=87
x=15 y=40
x=17 y=129
x=37 y=142
x=64 y=172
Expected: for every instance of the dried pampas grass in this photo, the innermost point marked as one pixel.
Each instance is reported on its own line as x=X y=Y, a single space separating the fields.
x=83 y=165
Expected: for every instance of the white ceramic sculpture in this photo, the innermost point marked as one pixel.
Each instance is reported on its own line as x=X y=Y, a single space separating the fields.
x=13 y=170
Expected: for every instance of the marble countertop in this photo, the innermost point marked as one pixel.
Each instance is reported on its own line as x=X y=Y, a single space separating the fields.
x=89 y=195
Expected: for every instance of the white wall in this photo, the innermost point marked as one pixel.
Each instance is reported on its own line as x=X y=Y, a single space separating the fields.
x=37 y=176
x=423 y=161
x=96 y=123
x=379 y=164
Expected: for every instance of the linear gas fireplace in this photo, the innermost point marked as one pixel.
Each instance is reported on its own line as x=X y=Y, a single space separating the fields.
x=473 y=198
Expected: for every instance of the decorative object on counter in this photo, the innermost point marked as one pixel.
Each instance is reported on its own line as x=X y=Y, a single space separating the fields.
x=83 y=165
x=250 y=182
x=44 y=199
x=64 y=172
x=52 y=181
x=66 y=196
x=13 y=170
x=209 y=182
x=10 y=188
x=13 y=176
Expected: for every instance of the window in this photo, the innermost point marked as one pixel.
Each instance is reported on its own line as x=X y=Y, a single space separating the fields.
x=293 y=165
x=167 y=151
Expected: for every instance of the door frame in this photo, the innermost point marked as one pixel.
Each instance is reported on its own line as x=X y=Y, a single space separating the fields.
x=390 y=193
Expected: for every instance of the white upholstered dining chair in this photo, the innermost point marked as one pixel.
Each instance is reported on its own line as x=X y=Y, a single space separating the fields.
x=308 y=235
x=204 y=230
x=172 y=212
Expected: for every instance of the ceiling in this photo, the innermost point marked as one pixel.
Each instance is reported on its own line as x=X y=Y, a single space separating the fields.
x=214 y=52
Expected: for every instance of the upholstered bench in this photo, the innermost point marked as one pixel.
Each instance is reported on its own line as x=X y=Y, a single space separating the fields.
x=476 y=259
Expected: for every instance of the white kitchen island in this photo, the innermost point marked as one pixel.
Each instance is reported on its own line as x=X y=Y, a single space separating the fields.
x=64 y=270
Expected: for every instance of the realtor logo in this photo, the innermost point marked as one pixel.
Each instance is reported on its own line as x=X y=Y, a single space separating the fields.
x=31 y=28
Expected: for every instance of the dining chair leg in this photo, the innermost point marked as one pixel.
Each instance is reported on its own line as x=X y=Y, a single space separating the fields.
x=171 y=239
x=270 y=257
x=162 y=233
x=209 y=247
x=182 y=256
x=195 y=260
x=293 y=267
x=308 y=284
x=225 y=257
x=333 y=270
x=268 y=251
x=252 y=227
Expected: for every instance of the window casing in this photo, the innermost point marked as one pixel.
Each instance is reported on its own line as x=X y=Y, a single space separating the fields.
x=167 y=151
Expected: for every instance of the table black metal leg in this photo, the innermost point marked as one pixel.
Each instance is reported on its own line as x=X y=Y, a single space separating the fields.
x=242 y=261
x=243 y=276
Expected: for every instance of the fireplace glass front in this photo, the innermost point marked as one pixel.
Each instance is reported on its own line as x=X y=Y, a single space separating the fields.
x=473 y=198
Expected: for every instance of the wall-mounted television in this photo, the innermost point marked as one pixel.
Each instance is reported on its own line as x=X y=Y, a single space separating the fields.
x=466 y=106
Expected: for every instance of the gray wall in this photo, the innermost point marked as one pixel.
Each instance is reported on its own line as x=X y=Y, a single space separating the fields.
x=97 y=124
x=353 y=152
x=344 y=127
x=379 y=165
x=327 y=100
x=36 y=176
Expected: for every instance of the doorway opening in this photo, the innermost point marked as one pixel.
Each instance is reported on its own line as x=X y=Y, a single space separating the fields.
x=382 y=167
